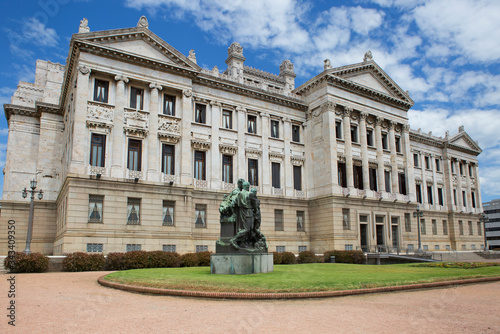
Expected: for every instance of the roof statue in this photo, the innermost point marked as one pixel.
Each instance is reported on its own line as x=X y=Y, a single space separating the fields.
x=84 y=26
x=327 y=64
x=192 y=56
x=143 y=22
x=368 y=56
x=235 y=47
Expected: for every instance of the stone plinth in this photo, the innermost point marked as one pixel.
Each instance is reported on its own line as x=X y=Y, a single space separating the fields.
x=241 y=264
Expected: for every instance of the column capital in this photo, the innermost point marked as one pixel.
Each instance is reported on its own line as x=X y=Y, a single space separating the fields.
x=392 y=124
x=363 y=115
x=121 y=78
x=378 y=120
x=406 y=127
x=347 y=111
x=155 y=85
x=187 y=93
x=328 y=106
x=84 y=70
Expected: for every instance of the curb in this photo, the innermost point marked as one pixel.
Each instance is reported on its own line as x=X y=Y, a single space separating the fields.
x=288 y=295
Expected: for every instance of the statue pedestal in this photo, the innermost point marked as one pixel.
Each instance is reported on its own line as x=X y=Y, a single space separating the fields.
x=241 y=264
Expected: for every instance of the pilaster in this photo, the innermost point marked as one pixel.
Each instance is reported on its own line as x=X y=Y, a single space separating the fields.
x=348 y=147
x=364 y=150
x=266 y=176
x=186 y=152
x=216 y=157
x=380 y=154
x=288 y=177
x=152 y=139
x=408 y=161
x=394 y=155
x=241 y=119
x=117 y=161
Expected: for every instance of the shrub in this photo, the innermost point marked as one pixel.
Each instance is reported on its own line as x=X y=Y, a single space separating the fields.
x=277 y=258
x=83 y=262
x=189 y=260
x=115 y=261
x=287 y=258
x=355 y=257
x=161 y=259
x=27 y=263
x=203 y=258
x=307 y=257
x=136 y=260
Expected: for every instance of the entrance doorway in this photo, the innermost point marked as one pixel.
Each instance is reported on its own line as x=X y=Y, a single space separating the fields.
x=363 y=234
x=395 y=236
x=380 y=236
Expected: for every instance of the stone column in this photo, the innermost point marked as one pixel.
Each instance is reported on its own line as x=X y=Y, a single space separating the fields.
x=479 y=204
x=216 y=176
x=460 y=203
x=266 y=177
x=329 y=123
x=288 y=175
x=468 y=190
x=364 y=150
x=348 y=147
x=242 y=166
x=424 y=179
x=380 y=154
x=186 y=155
x=435 y=198
x=117 y=162
x=408 y=160
x=394 y=161
x=153 y=173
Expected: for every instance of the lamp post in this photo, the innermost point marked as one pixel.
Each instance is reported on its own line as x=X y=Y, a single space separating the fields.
x=418 y=214
x=27 y=250
x=484 y=219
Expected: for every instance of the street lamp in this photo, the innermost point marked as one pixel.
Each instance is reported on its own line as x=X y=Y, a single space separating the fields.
x=484 y=219
x=418 y=214
x=25 y=192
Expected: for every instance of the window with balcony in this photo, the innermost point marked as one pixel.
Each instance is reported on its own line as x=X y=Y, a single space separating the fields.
x=253 y=172
x=358 y=176
x=385 y=141
x=440 y=196
x=101 y=90
x=275 y=175
x=297 y=178
x=354 y=133
x=136 y=98
x=134 y=154
x=200 y=113
x=338 y=129
x=168 y=159
x=199 y=165
x=369 y=137
x=97 y=150
x=398 y=144
x=387 y=175
x=429 y=195
x=342 y=174
x=402 y=183
x=372 y=172
x=227 y=168
x=168 y=105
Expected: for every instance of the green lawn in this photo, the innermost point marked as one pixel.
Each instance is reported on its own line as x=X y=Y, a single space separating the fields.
x=297 y=278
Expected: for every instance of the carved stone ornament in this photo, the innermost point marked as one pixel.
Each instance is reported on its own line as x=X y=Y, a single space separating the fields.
x=187 y=93
x=226 y=149
x=297 y=161
x=84 y=26
x=363 y=115
x=154 y=85
x=215 y=70
x=169 y=138
x=235 y=48
x=252 y=153
x=99 y=112
x=84 y=70
x=378 y=121
x=286 y=66
x=192 y=56
x=347 y=111
x=200 y=145
x=135 y=115
x=143 y=22
x=169 y=125
x=368 y=56
x=276 y=157
x=327 y=64
x=121 y=78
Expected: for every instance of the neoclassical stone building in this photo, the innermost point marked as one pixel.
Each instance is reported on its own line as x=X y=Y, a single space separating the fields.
x=134 y=146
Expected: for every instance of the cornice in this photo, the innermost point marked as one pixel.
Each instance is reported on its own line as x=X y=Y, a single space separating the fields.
x=13 y=109
x=440 y=143
x=263 y=74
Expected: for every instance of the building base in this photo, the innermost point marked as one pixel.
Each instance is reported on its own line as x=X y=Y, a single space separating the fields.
x=241 y=264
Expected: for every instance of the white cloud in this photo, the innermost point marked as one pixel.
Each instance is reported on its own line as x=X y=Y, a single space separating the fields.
x=36 y=32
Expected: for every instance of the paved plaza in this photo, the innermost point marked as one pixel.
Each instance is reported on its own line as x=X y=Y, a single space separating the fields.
x=76 y=303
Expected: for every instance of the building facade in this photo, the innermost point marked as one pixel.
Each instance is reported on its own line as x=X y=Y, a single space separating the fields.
x=135 y=145
x=492 y=226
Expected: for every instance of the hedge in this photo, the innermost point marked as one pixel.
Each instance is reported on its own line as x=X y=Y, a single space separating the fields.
x=26 y=263
x=83 y=262
x=343 y=256
x=283 y=258
x=307 y=257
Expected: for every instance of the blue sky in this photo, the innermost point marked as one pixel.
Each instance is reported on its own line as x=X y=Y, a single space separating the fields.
x=446 y=53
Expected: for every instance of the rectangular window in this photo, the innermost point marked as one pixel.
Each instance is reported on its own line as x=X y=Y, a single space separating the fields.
x=416 y=160
x=464 y=247
x=470 y=170
x=338 y=129
x=398 y=144
x=280 y=249
x=445 y=227
x=436 y=247
x=434 y=227
x=342 y=174
x=354 y=133
x=278 y=220
x=464 y=198
x=168 y=213
x=199 y=165
x=346 y=224
x=134 y=154
x=200 y=214
x=473 y=198
x=227 y=119
x=300 y=221
x=253 y=172
x=168 y=159
x=136 y=98
x=479 y=228
x=372 y=173
x=97 y=150
x=369 y=137
x=461 y=227
x=275 y=129
x=471 y=232
x=452 y=166
x=201 y=248
x=302 y=249
x=169 y=105
x=297 y=177
x=440 y=196
x=95 y=208
x=133 y=247
x=402 y=183
x=387 y=181
x=358 y=177
x=133 y=211
x=423 y=230
x=438 y=165
x=94 y=248
x=385 y=143
x=227 y=168
x=426 y=247
x=455 y=196
x=348 y=247
x=418 y=189
x=252 y=124
x=101 y=89
x=461 y=166
x=427 y=163
x=200 y=113
x=407 y=222
x=170 y=248
x=410 y=246
x=447 y=247
x=429 y=195
x=296 y=133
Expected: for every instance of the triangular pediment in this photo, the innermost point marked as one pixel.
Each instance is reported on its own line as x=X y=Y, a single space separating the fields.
x=139 y=42
x=462 y=139
x=369 y=80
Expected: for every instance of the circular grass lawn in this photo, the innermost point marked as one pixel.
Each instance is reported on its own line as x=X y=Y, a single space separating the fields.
x=297 y=278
